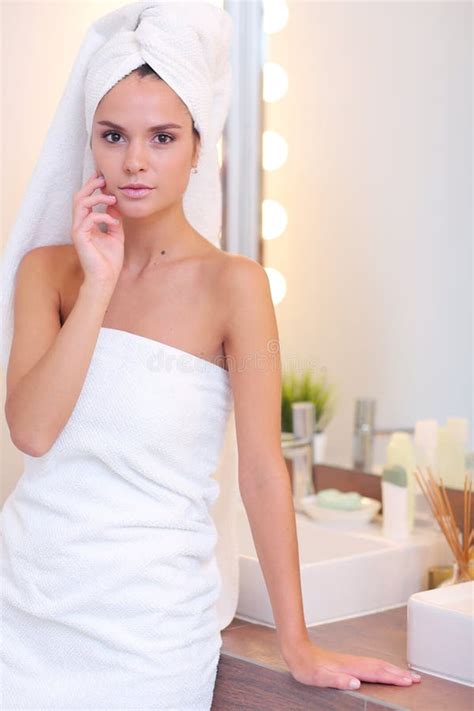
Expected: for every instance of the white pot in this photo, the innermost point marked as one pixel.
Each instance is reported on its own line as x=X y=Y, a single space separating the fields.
x=319 y=447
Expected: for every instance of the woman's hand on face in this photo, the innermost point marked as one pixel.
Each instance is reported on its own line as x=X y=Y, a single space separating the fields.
x=313 y=665
x=101 y=254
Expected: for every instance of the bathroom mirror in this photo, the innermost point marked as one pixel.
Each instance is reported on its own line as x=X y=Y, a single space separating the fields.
x=366 y=220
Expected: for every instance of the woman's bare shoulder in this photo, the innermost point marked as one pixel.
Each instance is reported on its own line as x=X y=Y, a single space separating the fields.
x=59 y=262
x=240 y=279
x=240 y=270
x=52 y=258
x=224 y=268
x=64 y=254
x=232 y=262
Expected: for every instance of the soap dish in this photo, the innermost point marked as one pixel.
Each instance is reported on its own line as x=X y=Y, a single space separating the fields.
x=358 y=517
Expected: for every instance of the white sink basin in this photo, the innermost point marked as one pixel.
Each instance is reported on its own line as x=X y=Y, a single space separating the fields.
x=343 y=573
x=440 y=632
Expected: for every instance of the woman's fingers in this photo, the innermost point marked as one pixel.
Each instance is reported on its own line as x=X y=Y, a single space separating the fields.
x=378 y=671
x=97 y=218
x=85 y=200
x=314 y=665
x=100 y=253
x=391 y=668
x=80 y=207
x=335 y=680
x=94 y=182
x=84 y=207
x=93 y=200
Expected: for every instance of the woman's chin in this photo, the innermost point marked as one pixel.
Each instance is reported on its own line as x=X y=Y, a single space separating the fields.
x=138 y=210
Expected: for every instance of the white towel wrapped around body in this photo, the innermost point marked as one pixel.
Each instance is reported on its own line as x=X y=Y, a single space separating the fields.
x=110 y=583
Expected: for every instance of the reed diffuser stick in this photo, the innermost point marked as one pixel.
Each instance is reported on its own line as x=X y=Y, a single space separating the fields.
x=443 y=512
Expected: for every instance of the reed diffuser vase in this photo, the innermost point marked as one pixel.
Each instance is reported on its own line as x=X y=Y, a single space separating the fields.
x=461 y=574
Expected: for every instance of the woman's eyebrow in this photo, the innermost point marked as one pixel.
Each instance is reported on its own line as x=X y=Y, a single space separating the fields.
x=161 y=127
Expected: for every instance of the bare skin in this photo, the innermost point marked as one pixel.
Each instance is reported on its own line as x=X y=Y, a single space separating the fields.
x=154 y=275
x=191 y=316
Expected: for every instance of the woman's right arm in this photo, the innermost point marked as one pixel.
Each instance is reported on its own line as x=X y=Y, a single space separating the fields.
x=48 y=363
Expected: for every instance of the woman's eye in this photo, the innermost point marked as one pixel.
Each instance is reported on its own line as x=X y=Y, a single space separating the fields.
x=110 y=133
x=114 y=133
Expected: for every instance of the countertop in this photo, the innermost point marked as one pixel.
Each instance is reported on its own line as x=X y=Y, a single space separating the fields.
x=252 y=674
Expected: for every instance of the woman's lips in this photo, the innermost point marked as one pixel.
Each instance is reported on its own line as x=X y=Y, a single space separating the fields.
x=136 y=192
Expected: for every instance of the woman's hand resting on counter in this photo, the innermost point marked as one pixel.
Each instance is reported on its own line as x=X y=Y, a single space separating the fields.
x=313 y=665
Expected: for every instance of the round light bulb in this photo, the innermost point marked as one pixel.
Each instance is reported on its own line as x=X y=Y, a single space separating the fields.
x=277 y=284
x=274 y=219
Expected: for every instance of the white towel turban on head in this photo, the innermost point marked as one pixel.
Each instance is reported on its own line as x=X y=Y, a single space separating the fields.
x=188 y=45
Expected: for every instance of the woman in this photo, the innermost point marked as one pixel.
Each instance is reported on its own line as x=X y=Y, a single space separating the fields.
x=129 y=347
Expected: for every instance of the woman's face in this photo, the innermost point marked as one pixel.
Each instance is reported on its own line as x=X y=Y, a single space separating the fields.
x=126 y=150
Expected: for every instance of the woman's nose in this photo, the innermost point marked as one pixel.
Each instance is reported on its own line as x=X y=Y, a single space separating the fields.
x=135 y=158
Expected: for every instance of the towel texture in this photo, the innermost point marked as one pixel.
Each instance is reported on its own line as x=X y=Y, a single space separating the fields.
x=110 y=583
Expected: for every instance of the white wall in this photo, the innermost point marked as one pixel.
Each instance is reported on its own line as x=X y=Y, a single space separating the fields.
x=378 y=186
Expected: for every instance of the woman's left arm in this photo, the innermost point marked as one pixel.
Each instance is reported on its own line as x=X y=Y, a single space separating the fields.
x=253 y=358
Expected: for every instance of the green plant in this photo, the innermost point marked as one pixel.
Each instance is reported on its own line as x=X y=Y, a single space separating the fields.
x=307 y=388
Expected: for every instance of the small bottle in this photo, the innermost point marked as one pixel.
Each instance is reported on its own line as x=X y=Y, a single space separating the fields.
x=426 y=433
x=401 y=452
x=451 y=457
x=426 y=437
x=458 y=428
x=395 y=503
